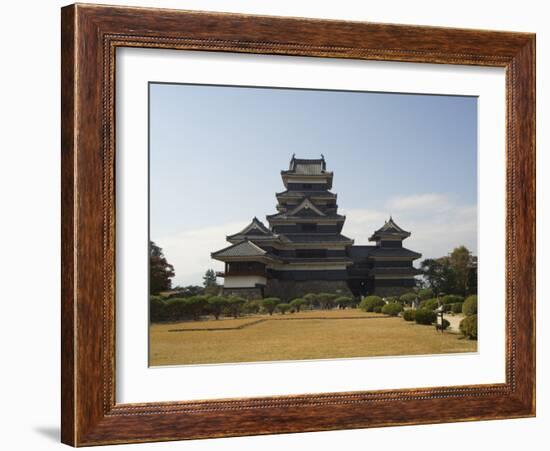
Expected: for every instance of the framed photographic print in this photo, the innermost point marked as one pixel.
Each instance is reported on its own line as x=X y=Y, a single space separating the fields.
x=279 y=225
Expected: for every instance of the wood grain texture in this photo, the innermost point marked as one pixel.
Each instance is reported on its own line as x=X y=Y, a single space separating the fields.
x=90 y=36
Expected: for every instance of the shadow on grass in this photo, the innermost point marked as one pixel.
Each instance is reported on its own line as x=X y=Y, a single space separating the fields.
x=258 y=321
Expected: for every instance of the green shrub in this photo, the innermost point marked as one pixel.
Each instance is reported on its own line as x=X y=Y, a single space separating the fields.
x=283 y=307
x=156 y=309
x=452 y=299
x=326 y=300
x=407 y=298
x=216 y=305
x=425 y=316
x=311 y=299
x=408 y=315
x=269 y=304
x=251 y=306
x=470 y=305
x=370 y=302
x=343 y=301
x=425 y=293
x=377 y=309
x=456 y=307
x=468 y=327
x=430 y=304
x=297 y=304
x=392 y=309
x=176 y=309
x=196 y=306
x=235 y=305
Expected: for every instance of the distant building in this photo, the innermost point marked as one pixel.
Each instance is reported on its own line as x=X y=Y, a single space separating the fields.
x=303 y=250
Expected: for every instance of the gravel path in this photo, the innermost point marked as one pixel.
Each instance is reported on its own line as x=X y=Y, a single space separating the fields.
x=455 y=321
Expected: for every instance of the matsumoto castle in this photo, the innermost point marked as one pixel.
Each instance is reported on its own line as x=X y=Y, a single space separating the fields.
x=303 y=251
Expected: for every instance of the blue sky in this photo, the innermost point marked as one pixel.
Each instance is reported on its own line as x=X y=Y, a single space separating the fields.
x=216 y=154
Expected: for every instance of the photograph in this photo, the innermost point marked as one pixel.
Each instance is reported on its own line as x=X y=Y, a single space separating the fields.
x=292 y=224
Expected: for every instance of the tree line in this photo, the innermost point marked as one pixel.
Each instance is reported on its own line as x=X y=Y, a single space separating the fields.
x=455 y=273
x=196 y=307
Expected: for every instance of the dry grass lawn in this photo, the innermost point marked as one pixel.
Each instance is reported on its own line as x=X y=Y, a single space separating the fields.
x=297 y=336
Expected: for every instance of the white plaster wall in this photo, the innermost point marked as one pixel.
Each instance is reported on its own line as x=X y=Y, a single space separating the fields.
x=243 y=281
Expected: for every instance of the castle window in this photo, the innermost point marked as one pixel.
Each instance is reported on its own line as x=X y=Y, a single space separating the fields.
x=311 y=253
x=309 y=227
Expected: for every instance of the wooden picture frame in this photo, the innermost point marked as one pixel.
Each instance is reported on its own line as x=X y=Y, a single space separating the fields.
x=90 y=36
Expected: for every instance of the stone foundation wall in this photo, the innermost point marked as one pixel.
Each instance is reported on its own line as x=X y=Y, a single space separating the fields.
x=247 y=293
x=391 y=291
x=290 y=289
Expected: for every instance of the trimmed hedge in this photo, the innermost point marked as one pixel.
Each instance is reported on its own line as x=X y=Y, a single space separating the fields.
x=425 y=316
x=408 y=315
x=430 y=304
x=457 y=307
x=470 y=305
x=392 y=309
x=269 y=304
x=468 y=327
x=391 y=299
x=377 y=309
x=297 y=304
x=251 y=306
x=408 y=298
x=216 y=305
x=156 y=309
x=326 y=300
x=425 y=293
x=283 y=307
x=343 y=301
x=452 y=299
x=370 y=302
x=176 y=309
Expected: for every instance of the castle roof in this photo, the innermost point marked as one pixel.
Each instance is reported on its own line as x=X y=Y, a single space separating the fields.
x=312 y=169
x=244 y=249
x=389 y=230
x=255 y=229
x=393 y=252
x=316 y=238
x=304 y=166
x=312 y=193
x=358 y=253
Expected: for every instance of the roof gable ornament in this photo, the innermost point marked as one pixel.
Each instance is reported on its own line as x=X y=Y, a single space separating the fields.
x=256 y=226
x=306 y=204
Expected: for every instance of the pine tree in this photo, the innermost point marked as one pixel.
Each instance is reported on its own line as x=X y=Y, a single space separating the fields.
x=209 y=278
x=160 y=271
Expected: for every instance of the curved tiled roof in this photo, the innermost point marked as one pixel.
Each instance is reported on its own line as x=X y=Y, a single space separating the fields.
x=305 y=166
x=255 y=227
x=393 y=252
x=242 y=249
x=316 y=238
x=312 y=193
x=389 y=229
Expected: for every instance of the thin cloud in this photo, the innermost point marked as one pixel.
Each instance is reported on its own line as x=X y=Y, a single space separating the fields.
x=437 y=224
x=425 y=201
x=189 y=250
